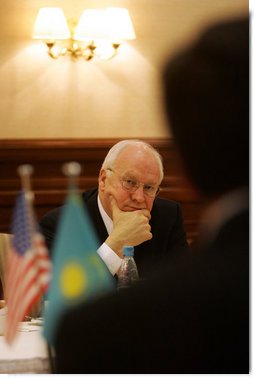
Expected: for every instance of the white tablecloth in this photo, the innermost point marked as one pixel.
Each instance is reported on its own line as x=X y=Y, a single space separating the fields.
x=27 y=354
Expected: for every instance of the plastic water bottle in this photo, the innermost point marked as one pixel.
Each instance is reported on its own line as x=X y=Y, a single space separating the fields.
x=128 y=272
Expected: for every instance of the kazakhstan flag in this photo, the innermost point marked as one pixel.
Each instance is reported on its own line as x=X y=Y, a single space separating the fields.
x=78 y=271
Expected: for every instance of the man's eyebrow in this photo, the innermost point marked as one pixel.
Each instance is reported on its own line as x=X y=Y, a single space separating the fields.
x=133 y=177
x=129 y=174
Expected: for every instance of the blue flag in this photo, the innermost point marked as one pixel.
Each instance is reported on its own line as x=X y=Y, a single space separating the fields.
x=78 y=271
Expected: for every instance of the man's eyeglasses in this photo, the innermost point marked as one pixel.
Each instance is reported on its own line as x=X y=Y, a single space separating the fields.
x=131 y=185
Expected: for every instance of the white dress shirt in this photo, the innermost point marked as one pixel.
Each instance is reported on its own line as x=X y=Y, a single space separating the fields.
x=110 y=258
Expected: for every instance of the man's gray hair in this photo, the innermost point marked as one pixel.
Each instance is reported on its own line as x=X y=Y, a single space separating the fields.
x=118 y=147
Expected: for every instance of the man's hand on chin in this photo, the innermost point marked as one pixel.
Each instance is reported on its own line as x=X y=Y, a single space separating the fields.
x=130 y=228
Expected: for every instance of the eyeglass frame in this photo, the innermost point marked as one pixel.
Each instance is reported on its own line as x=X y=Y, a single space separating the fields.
x=137 y=186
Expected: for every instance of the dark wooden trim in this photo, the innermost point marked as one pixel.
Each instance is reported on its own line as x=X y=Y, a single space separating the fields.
x=74 y=143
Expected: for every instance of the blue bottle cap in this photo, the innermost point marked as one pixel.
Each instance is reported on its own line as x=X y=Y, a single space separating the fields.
x=128 y=251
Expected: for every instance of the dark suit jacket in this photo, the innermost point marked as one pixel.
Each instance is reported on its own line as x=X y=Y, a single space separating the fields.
x=193 y=319
x=169 y=238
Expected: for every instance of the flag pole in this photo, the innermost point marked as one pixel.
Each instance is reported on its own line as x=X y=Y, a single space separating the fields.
x=29 y=267
x=25 y=171
x=72 y=170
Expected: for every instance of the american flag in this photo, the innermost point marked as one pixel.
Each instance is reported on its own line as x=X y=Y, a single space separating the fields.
x=28 y=271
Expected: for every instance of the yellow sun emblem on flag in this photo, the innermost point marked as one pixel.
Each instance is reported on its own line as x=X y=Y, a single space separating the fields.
x=73 y=280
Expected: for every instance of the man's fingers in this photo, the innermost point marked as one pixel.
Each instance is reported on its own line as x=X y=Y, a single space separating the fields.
x=146 y=213
x=113 y=204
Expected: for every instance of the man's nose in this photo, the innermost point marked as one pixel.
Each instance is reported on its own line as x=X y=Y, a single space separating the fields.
x=139 y=194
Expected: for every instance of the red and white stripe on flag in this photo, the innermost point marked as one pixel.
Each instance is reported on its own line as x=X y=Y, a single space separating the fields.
x=28 y=278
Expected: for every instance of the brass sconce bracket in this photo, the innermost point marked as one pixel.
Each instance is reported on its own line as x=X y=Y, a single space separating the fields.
x=77 y=50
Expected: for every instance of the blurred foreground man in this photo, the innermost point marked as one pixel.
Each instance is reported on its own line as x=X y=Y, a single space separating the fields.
x=195 y=317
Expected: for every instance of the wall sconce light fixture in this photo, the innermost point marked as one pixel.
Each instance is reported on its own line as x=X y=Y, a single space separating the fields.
x=99 y=32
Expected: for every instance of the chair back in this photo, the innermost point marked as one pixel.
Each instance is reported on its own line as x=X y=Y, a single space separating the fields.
x=4 y=249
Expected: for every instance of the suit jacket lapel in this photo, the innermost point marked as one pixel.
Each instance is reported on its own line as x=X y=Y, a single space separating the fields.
x=90 y=200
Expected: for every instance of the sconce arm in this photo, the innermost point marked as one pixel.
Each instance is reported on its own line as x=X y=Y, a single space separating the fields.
x=74 y=49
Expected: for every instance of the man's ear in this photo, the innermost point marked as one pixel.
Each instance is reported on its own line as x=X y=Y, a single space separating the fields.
x=102 y=179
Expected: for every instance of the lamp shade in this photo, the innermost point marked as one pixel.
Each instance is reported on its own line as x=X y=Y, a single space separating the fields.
x=110 y=23
x=50 y=24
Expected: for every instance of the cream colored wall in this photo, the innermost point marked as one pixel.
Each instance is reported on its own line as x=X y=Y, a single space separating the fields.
x=45 y=98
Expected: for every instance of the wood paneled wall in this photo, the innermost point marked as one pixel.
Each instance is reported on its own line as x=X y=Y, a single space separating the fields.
x=49 y=184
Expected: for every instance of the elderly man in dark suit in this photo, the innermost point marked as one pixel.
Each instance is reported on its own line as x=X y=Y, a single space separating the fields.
x=195 y=317
x=125 y=210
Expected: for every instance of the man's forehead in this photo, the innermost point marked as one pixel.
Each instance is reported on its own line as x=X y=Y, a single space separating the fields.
x=131 y=157
x=137 y=162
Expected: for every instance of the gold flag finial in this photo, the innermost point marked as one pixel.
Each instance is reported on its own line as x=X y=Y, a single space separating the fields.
x=25 y=171
x=72 y=170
